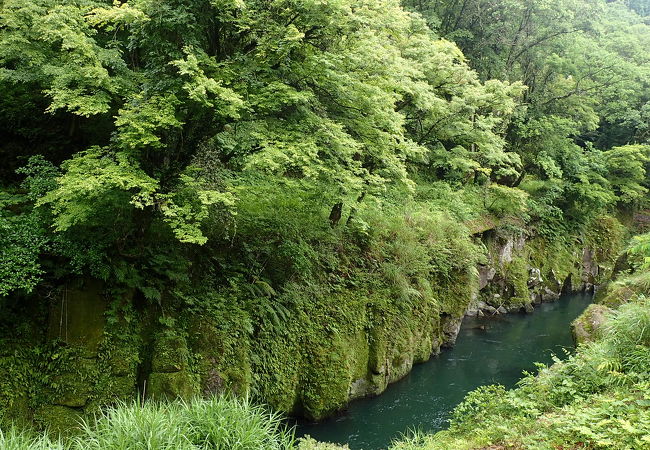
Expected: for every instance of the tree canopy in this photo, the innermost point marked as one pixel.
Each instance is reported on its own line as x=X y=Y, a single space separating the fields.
x=133 y=129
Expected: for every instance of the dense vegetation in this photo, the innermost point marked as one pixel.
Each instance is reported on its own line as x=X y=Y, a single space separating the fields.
x=279 y=197
x=138 y=137
x=217 y=423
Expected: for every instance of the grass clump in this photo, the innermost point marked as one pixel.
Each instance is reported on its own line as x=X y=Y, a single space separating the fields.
x=216 y=423
x=15 y=439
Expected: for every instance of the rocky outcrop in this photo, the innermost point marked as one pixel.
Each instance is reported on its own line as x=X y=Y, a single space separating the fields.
x=589 y=326
x=520 y=273
x=450 y=329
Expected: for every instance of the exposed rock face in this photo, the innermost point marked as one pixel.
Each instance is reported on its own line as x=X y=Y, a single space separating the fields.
x=590 y=270
x=589 y=325
x=512 y=244
x=535 y=277
x=486 y=274
x=549 y=295
x=450 y=329
x=511 y=282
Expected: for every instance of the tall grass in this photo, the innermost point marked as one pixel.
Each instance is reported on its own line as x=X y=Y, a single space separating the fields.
x=14 y=439
x=217 y=423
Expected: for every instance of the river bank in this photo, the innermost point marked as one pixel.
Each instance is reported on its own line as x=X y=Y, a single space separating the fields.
x=489 y=350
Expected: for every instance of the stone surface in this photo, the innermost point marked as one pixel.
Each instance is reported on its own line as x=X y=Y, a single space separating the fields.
x=171 y=385
x=535 y=277
x=77 y=316
x=360 y=388
x=450 y=328
x=590 y=269
x=549 y=296
x=485 y=274
x=589 y=325
x=58 y=419
x=490 y=310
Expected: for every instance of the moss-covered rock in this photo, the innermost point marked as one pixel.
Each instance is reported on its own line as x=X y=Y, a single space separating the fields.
x=224 y=353
x=58 y=419
x=170 y=353
x=171 y=385
x=308 y=443
x=589 y=326
x=77 y=316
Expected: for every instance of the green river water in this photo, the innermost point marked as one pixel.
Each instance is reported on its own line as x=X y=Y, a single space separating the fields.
x=488 y=350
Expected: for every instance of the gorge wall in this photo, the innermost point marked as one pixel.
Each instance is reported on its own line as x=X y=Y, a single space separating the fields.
x=87 y=345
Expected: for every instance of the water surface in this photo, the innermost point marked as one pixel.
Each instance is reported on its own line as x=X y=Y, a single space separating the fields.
x=488 y=350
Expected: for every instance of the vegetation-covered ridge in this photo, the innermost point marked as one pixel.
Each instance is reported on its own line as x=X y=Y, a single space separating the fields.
x=298 y=199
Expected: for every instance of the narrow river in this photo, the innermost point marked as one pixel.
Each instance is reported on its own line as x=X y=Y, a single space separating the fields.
x=488 y=350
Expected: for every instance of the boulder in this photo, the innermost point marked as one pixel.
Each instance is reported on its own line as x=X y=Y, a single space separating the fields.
x=491 y=310
x=450 y=329
x=588 y=327
x=549 y=295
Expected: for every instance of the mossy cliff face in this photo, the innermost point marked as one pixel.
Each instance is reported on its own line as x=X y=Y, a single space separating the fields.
x=333 y=349
x=521 y=271
x=307 y=351
x=589 y=326
x=336 y=348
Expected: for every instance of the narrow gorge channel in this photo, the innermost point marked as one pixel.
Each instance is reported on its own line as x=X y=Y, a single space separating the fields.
x=489 y=350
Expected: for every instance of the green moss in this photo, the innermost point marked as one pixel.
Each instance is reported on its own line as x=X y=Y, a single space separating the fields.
x=607 y=235
x=58 y=419
x=74 y=387
x=557 y=260
x=222 y=347
x=307 y=443
x=516 y=272
x=77 y=317
x=589 y=326
x=327 y=379
x=172 y=385
x=16 y=412
x=170 y=353
x=625 y=289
